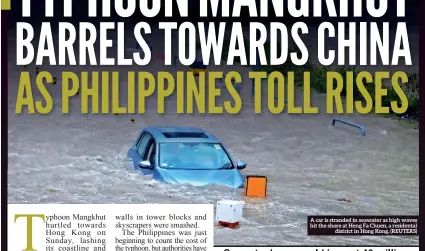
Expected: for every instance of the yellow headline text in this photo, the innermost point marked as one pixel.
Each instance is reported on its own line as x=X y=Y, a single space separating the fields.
x=129 y=92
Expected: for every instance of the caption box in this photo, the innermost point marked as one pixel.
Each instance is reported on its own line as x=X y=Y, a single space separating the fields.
x=362 y=225
x=320 y=248
x=143 y=227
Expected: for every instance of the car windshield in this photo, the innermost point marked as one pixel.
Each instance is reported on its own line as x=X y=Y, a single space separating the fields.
x=204 y=156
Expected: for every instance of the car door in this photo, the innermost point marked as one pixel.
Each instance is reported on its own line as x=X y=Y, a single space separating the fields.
x=140 y=151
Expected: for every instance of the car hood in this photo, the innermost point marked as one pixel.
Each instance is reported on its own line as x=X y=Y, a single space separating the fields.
x=227 y=177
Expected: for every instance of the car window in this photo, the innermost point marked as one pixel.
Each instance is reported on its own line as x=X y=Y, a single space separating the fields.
x=150 y=154
x=143 y=142
x=208 y=156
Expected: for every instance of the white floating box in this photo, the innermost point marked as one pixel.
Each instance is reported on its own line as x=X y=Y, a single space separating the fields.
x=229 y=211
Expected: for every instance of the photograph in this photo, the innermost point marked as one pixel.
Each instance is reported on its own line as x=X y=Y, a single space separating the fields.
x=279 y=114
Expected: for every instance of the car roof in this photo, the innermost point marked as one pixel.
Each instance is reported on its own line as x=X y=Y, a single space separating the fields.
x=158 y=132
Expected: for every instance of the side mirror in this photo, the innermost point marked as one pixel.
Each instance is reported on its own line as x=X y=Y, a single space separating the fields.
x=241 y=165
x=145 y=164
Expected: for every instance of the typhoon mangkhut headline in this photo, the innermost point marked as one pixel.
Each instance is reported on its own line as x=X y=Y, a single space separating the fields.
x=253 y=54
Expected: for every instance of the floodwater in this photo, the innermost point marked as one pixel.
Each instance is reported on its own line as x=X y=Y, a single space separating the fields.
x=76 y=158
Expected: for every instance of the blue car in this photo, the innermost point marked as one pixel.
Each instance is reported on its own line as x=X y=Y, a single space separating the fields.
x=185 y=155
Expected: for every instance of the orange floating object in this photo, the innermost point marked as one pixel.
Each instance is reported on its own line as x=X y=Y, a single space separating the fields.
x=256 y=186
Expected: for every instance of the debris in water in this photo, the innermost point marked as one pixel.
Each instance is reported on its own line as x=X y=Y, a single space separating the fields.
x=151 y=183
x=52 y=190
x=344 y=199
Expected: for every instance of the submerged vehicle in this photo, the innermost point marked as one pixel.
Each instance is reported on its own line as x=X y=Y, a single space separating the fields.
x=185 y=155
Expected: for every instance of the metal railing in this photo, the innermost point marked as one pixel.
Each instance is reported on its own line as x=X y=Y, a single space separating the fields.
x=362 y=129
